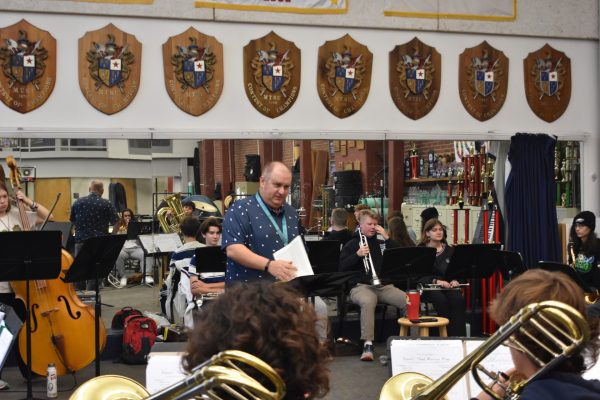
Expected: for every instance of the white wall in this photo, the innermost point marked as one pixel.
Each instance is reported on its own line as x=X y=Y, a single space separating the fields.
x=68 y=113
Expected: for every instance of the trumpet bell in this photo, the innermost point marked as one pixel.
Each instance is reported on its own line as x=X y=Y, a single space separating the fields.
x=405 y=386
x=110 y=387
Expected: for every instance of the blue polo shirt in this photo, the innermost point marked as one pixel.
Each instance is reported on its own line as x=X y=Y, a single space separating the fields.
x=246 y=223
x=92 y=216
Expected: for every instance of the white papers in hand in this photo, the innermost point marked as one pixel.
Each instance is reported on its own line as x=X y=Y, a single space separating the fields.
x=296 y=253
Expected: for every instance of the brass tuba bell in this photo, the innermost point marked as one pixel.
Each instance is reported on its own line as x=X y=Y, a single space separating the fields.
x=225 y=375
x=171 y=215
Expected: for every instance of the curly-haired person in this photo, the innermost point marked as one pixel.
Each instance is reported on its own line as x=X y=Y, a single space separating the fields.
x=272 y=323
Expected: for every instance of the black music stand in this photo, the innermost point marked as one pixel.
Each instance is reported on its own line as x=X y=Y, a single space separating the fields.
x=567 y=270
x=95 y=260
x=19 y=263
x=510 y=263
x=405 y=264
x=324 y=255
x=472 y=262
x=325 y=285
x=210 y=259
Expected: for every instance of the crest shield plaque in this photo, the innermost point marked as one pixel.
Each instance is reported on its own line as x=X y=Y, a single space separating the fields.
x=344 y=75
x=193 y=65
x=109 y=68
x=271 y=74
x=415 y=78
x=28 y=61
x=482 y=80
x=547 y=82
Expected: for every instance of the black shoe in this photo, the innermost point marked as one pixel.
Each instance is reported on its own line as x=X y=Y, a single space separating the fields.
x=367 y=354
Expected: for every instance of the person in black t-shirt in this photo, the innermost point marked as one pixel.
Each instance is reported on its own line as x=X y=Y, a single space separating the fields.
x=339 y=230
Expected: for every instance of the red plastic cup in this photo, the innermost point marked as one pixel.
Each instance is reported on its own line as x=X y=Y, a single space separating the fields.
x=414 y=299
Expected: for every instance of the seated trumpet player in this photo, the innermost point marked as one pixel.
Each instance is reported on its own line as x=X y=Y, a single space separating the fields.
x=564 y=380
x=363 y=253
x=448 y=303
x=584 y=252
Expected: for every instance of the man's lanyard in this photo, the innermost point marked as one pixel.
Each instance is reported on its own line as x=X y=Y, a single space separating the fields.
x=282 y=235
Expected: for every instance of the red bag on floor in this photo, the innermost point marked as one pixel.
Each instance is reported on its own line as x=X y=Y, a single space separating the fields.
x=118 y=321
x=139 y=335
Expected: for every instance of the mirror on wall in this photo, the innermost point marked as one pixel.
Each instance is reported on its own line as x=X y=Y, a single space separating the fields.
x=325 y=173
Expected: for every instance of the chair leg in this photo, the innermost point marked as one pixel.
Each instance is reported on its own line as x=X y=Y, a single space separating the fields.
x=382 y=327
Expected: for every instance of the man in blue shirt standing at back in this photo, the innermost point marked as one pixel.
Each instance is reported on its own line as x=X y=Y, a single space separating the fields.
x=92 y=215
x=255 y=227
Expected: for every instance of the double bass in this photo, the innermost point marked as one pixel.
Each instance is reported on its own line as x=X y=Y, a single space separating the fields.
x=62 y=326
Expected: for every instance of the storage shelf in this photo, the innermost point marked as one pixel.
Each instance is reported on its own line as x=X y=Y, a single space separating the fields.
x=430 y=180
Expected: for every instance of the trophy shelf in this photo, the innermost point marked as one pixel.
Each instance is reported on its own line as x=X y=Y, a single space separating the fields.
x=417 y=181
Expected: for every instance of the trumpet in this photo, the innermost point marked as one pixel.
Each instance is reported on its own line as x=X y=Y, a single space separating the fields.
x=368 y=262
x=563 y=327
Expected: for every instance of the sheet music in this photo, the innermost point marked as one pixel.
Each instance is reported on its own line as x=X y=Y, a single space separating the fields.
x=147 y=242
x=163 y=370
x=167 y=242
x=6 y=338
x=160 y=243
x=497 y=360
x=296 y=252
x=429 y=357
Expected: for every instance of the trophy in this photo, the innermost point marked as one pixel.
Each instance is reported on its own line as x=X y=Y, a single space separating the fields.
x=414 y=167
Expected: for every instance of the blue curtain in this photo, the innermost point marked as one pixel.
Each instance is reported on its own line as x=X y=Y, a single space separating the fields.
x=530 y=196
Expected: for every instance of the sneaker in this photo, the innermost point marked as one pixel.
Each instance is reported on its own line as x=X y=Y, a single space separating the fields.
x=367 y=354
x=149 y=280
x=3 y=385
x=123 y=282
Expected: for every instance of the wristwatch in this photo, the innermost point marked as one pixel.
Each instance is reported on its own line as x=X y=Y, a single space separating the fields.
x=267 y=266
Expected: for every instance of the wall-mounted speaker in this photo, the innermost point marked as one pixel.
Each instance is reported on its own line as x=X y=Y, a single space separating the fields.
x=27 y=174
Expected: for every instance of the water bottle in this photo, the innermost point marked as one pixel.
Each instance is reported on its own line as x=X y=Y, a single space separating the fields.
x=52 y=389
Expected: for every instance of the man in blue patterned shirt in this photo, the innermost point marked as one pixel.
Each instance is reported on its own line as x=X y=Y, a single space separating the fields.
x=255 y=227
x=92 y=215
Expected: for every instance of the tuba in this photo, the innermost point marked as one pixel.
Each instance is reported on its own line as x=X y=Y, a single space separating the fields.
x=565 y=329
x=171 y=215
x=223 y=376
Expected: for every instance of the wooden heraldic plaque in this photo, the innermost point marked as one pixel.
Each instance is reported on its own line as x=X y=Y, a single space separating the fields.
x=109 y=68
x=193 y=65
x=271 y=74
x=548 y=82
x=415 y=78
x=344 y=75
x=28 y=59
x=482 y=80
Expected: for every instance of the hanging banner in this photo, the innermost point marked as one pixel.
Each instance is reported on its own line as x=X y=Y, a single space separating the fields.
x=28 y=62
x=193 y=66
x=344 y=71
x=547 y=82
x=287 y=6
x=109 y=68
x=485 y=10
x=415 y=78
x=482 y=80
x=272 y=74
